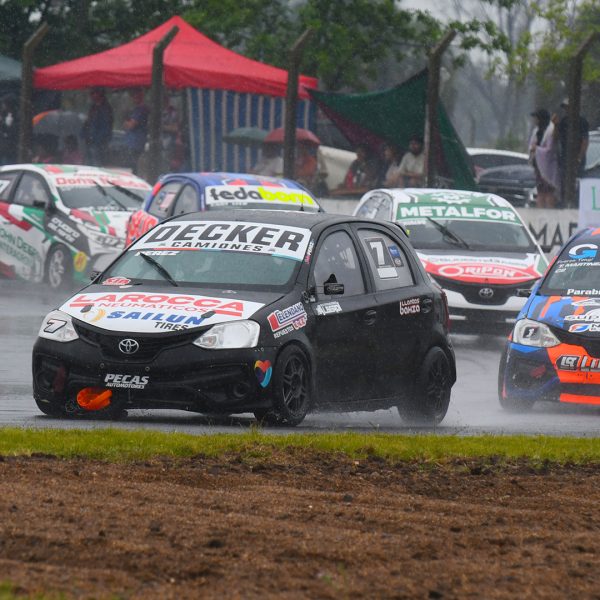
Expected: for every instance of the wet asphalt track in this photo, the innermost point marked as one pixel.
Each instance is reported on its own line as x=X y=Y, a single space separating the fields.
x=474 y=407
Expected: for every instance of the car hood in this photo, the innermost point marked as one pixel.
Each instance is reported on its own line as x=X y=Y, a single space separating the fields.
x=483 y=267
x=109 y=222
x=144 y=309
x=575 y=314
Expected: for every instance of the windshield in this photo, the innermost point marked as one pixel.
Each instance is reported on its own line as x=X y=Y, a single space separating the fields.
x=474 y=235
x=102 y=197
x=216 y=255
x=576 y=272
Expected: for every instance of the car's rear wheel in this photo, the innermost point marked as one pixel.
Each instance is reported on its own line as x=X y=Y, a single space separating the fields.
x=291 y=390
x=59 y=267
x=429 y=402
x=510 y=403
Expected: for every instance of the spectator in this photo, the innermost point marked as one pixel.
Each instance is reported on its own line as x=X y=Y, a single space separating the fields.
x=9 y=130
x=71 y=153
x=362 y=174
x=391 y=176
x=97 y=129
x=543 y=152
x=561 y=124
x=412 y=166
x=305 y=170
x=270 y=163
x=45 y=149
x=136 y=128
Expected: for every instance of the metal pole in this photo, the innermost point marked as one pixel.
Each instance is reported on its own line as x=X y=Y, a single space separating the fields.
x=156 y=105
x=431 y=136
x=25 y=105
x=291 y=102
x=570 y=162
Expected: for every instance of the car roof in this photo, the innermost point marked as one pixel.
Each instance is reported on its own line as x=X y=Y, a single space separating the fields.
x=294 y=218
x=55 y=170
x=589 y=235
x=495 y=152
x=226 y=178
x=435 y=196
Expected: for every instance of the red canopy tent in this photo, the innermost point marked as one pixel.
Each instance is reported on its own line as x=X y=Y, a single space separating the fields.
x=190 y=61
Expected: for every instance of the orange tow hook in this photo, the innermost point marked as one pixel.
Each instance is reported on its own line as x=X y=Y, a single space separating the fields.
x=94 y=398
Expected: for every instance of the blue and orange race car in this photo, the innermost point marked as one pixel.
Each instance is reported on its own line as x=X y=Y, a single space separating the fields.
x=553 y=352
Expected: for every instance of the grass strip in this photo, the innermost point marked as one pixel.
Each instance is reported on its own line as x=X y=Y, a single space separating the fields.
x=120 y=445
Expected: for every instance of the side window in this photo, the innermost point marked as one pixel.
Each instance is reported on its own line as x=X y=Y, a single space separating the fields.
x=187 y=201
x=387 y=260
x=378 y=206
x=384 y=210
x=7 y=182
x=31 y=191
x=162 y=202
x=368 y=210
x=337 y=261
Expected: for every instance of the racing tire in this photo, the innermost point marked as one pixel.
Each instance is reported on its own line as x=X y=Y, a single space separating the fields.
x=429 y=402
x=59 y=268
x=50 y=409
x=508 y=403
x=291 y=390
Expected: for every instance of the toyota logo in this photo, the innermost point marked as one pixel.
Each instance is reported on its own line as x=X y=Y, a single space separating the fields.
x=486 y=293
x=128 y=346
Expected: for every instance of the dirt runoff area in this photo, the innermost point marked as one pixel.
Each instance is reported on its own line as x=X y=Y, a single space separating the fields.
x=298 y=525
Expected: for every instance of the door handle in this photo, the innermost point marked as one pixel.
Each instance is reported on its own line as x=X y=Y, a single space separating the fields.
x=426 y=305
x=370 y=317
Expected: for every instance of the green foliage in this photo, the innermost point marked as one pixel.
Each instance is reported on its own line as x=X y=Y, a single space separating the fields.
x=120 y=445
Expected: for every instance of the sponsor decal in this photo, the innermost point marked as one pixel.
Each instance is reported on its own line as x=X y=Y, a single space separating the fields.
x=92 y=179
x=140 y=312
x=587 y=302
x=396 y=255
x=263 y=371
x=116 y=281
x=23 y=252
x=590 y=292
x=309 y=252
x=287 y=320
x=243 y=194
x=63 y=230
x=262 y=238
x=328 y=308
x=592 y=316
x=447 y=211
x=583 y=251
x=585 y=364
x=410 y=306
x=80 y=261
x=583 y=327
x=133 y=382
x=381 y=257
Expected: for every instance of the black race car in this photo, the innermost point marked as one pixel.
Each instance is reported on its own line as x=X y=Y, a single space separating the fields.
x=276 y=313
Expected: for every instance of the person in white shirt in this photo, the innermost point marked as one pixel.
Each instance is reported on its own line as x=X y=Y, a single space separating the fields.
x=412 y=166
x=270 y=163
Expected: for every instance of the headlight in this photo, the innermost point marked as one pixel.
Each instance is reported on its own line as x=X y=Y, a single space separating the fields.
x=103 y=239
x=238 y=334
x=58 y=326
x=533 y=333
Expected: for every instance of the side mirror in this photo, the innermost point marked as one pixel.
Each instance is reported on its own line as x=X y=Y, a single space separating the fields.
x=546 y=248
x=39 y=204
x=333 y=288
x=94 y=275
x=523 y=292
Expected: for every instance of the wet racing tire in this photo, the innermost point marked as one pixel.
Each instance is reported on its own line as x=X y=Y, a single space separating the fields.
x=510 y=403
x=59 y=267
x=291 y=390
x=429 y=402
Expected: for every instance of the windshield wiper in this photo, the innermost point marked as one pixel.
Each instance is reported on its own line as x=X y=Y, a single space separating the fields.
x=107 y=195
x=159 y=268
x=453 y=237
x=127 y=192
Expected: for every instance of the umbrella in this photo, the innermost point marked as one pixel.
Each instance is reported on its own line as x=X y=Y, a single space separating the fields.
x=58 y=122
x=302 y=136
x=246 y=136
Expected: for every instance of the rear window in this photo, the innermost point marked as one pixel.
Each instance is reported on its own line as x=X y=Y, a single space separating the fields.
x=576 y=271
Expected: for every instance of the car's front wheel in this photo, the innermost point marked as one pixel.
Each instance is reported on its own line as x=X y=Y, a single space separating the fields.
x=431 y=396
x=510 y=403
x=291 y=390
x=59 y=267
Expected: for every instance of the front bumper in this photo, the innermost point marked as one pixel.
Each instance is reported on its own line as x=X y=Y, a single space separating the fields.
x=532 y=374
x=174 y=374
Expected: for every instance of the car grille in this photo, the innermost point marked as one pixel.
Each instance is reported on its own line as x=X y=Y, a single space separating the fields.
x=591 y=345
x=149 y=345
x=471 y=291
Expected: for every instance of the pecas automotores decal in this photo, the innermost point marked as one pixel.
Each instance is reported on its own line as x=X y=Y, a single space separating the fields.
x=260 y=238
